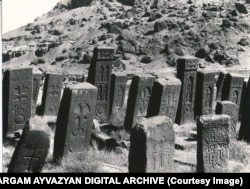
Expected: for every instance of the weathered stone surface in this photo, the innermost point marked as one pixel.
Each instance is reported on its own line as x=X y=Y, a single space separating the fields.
x=152 y=145
x=232 y=89
x=17 y=95
x=213 y=143
x=231 y=109
x=139 y=97
x=204 y=93
x=165 y=97
x=118 y=93
x=75 y=120
x=52 y=94
x=187 y=73
x=35 y=91
x=31 y=152
x=100 y=76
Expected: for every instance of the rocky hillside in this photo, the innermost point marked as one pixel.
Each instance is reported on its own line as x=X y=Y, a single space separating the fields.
x=148 y=36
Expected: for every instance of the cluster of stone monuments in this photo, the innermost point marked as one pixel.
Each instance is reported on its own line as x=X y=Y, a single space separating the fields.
x=151 y=106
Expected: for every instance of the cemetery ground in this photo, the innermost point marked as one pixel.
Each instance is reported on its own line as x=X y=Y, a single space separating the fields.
x=116 y=160
x=145 y=45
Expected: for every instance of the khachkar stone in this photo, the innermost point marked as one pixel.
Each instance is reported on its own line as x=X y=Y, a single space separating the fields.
x=187 y=73
x=152 y=145
x=219 y=85
x=52 y=94
x=244 y=133
x=204 y=93
x=75 y=120
x=35 y=91
x=232 y=89
x=17 y=95
x=118 y=92
x=231 y=109
x=165 y=97
x=139 y=97
x=31 y=152
x=100 y=76
x=213 y=143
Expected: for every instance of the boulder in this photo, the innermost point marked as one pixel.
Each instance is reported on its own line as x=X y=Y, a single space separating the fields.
x=127 y=35
x=146 y=59
x=226 y=23
x=241 y=8
x=160 y=25
x=202 y=52
x=243 y=42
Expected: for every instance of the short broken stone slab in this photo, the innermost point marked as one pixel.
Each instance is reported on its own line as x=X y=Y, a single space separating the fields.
x=231 y=109
x=213 y=143
x=152 y=145
x=30 y=153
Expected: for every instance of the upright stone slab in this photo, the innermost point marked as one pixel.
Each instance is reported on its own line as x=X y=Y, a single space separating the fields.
x=139 y=97
x=219 y=85
x=213 y=143
x=233 y=88
x=36 y=86
x=244 y=133
x=75 y=120
x=118 y=93
x=243 y=100
x=187 y=73
x=30 y=153
x=152 y=145
x=17 y=95
x=100 y=76
x=165 y=97
x=52 y=94
x=204 y=93
x=231 y=109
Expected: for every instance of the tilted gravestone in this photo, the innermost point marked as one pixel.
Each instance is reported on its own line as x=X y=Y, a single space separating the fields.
x=17 y=95
x=219 y=85
x=232 y=89
x=75 y=120
x=139 y=97
x=152 y=145
x=118 y=93
x=100 y=76
x=231 y=109
x=165 y=97
x=36 y=86
x=244 y=133
x=52 y=94
x=213 y=143
x=187 y=73
x=204 y=93
x=31 y=152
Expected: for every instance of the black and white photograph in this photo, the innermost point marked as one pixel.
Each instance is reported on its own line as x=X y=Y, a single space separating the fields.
x=126 y=86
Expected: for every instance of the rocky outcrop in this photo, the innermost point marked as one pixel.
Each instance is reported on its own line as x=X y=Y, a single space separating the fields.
x=71 y=4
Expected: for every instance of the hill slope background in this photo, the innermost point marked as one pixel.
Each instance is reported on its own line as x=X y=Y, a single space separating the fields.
x=148 y=37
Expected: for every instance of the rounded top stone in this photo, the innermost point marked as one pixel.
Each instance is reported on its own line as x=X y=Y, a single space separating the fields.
x=84 y=85
x=211 y=118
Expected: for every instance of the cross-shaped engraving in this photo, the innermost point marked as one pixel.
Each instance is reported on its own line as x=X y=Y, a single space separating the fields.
x=161 y=157
x=31 y=158
x=54 y=91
